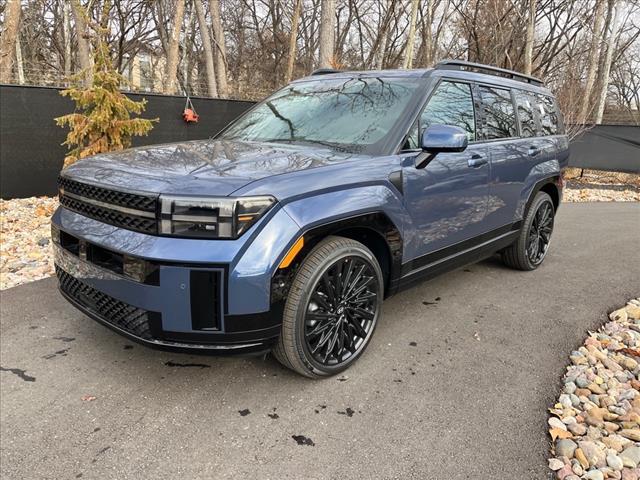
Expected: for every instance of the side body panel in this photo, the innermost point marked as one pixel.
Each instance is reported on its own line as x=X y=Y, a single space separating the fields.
x=447 y=200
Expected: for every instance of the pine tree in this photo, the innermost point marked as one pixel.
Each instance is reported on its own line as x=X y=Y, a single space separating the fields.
x=102 y=121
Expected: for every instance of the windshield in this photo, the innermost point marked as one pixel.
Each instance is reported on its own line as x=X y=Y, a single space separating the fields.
x=350 y=114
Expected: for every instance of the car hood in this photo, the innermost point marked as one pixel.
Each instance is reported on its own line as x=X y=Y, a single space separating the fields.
x=204 y=167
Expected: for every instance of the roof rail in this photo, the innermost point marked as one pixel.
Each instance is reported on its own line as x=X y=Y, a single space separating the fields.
x=487 y=69
x=324 y=71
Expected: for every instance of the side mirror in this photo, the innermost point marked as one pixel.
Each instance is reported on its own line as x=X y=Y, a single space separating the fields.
x=441 y=138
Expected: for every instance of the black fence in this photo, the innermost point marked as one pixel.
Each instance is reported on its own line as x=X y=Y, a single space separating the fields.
x=607 y=147
x=31 y=153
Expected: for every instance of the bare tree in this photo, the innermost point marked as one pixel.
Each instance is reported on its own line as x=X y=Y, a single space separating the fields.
x=327 y=34
x=171 y=75
x=10 y=29
x=293 y=36
x=531 y=30
x=208 y=50
x=411 y=38
x=606 y=67
x=593 y=61
x=221 y=50
x=82 y=39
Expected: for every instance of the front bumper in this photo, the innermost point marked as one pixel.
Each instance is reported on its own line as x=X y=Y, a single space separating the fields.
x=136 y=285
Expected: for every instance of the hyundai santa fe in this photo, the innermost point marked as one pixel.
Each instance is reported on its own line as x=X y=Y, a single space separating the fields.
x=286 y=230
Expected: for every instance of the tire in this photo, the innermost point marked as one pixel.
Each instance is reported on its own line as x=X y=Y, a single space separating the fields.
x=328 y=298
x=519 y=255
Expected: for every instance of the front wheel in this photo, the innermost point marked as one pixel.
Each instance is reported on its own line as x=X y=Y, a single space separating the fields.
x=530 y=249
x=332 y=308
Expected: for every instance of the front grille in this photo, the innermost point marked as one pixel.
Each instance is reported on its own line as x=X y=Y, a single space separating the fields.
x=110 y=206
x=147 y=203
x=113 y=217
x=133 y=320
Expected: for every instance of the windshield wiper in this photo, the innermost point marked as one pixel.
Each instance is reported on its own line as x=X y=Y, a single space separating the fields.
x=337 y=146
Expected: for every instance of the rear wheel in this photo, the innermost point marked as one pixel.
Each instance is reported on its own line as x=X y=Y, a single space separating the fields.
x=530 y=249
x=332 y=308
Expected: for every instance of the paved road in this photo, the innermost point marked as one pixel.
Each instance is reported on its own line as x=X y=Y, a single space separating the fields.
x=467 y=401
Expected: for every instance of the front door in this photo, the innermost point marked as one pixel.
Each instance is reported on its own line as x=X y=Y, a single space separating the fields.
x=447 y=200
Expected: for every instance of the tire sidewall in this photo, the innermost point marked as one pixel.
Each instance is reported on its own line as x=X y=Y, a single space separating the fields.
x=300 y=310
x=539 y=200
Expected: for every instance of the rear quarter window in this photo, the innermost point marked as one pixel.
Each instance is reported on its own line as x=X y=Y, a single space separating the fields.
x=548 y=115
x=526 y=114
x=498 y=114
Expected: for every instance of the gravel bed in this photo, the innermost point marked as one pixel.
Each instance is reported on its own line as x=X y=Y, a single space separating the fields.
x=25 y=245
x=25 y=250
x=595 y=425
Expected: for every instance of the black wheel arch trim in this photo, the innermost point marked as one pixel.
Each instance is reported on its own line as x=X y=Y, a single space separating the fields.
x=552 y=180
x=376 y=221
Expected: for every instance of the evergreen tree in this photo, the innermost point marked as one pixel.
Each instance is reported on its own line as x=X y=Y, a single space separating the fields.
x=102 y=121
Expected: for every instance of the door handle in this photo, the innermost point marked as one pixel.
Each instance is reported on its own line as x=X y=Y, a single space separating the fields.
x=533 y=151
x=477 y=161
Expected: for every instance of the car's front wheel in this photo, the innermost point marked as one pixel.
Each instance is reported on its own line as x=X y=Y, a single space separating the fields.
x=332 y=308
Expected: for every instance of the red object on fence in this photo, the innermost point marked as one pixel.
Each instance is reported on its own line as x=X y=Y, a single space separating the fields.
x=189 y=114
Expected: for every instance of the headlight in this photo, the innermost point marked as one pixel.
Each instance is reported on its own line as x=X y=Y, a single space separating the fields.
x=206 y=217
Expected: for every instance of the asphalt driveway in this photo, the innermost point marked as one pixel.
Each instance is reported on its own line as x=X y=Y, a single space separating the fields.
x=455 y=383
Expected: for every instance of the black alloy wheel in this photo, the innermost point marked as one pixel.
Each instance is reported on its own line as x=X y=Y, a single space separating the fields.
x=532 y=244
x=540 y=233
x=332 y=308
x=341 y=311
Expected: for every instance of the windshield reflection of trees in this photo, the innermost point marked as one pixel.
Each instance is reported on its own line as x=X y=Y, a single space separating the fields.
x=350 y=114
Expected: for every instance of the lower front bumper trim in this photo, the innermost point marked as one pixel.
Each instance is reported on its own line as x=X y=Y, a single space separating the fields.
x=250 y=348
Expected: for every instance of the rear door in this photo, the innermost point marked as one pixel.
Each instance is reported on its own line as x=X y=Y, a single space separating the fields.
x=509 y=154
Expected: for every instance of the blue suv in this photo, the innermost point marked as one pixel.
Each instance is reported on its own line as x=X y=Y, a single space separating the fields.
x=286 y=230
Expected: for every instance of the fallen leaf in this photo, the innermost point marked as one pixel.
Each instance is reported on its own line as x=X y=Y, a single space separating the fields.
x=559 y=433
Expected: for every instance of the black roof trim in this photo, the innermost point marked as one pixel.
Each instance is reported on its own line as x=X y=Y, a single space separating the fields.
x=487 y=69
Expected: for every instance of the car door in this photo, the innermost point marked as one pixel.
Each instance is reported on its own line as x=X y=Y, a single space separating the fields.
x=508 y=154
x=513 y=159
x=447 y=199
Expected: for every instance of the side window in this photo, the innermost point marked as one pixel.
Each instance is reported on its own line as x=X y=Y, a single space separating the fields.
x=546 y=110
x=451 y=104
x=525 y=114
x=499 y=116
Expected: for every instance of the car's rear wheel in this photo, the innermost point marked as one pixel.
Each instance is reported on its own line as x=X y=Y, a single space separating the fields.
x=531 y=247
x=332 y=309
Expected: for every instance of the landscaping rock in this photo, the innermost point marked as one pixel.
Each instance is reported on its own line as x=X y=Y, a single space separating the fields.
x=595 y=423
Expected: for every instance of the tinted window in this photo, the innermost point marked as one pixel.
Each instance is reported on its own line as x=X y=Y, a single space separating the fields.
x=547 y=114
x=451 y=104
x=526 y=115
x=499 y=116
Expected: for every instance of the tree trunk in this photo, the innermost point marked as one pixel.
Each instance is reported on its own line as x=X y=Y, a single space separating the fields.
x=82 y=38
x=171 y=73
x=295 y=19
x=427 y=40
x=212 y=88
x=531 y=30
x=327 y=39
x=611 y=46
x=411 y=39
x=66 y=38
x=188 y=50
x=221 y=49
x=12 y=14
x=593 y=61
x=19 y=62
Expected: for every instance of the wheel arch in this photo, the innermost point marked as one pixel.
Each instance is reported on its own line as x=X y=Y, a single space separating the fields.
x=549 y=185
x=375 y=230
